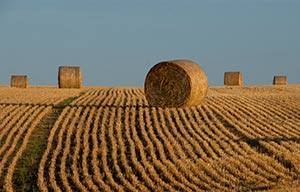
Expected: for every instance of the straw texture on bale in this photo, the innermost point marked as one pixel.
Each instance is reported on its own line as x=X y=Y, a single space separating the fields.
x=178 y=83
x=69 y=77
x=19 y=81
x=233 y=78
x=280 y=80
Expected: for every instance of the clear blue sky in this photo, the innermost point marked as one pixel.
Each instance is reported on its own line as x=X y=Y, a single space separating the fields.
x=116 y=42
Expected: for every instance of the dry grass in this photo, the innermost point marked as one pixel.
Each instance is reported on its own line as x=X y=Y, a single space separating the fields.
x=179 y=83
x=280 y=80
x=111 y=139
x=69 y=77
x=19 y=81
x=233 y=78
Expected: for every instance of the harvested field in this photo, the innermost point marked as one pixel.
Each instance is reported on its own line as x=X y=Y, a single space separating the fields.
x=109 y=139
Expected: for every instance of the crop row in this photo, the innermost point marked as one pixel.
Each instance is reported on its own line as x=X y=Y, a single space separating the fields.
x=16 y=128
x=111 y=139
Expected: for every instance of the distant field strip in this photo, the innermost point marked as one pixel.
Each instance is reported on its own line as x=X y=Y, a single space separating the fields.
x=36 y=95
x=110 y=139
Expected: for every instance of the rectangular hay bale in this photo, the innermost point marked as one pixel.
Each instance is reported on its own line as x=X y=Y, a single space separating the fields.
x=19 y=81
x=233 y=78
x=280 y=80
x=69 y=77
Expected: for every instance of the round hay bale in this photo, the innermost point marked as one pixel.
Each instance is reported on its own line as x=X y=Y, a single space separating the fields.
x=280 y=80
x=19 y=81
x=178 y=83
x=233 y=78
x=69 y=77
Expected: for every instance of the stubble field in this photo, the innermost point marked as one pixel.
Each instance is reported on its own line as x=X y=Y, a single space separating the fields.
x=110 y=139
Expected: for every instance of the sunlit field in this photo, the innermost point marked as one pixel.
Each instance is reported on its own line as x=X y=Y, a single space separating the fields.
x=110 y=139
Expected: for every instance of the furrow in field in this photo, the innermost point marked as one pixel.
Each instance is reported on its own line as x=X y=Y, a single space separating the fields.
x=132 y=98
x=105 y=145
x=130 y=179
x=8 y=158
x=205 y=140
x=105 y=151
x=240 y=129
x=74 y=143
x=123 y=150
x=32 y=123
x=267 y=116
x=274 y=141
x=189 y=153
x=214 y=133
x=141 y=168
x=200 y=167
x=109 y=139
x=97 y=168
x=222 y=151
x=117 y=171
x=108 y=99
x=143 y=154
x=11 y=121
x=5 y=110
x=142 y=101
x=87 y=149
x=175 y=154
x=43 y=178
x=103 y=95
x=101 y=148
x=162 y=164
x=288 y=132
x=57 y=181
x=231 y=121
x=12 y=111
x=8 y=135
x=112 y=94
x=113 y=162
x=185 y=131
x=245 y=115
x=288 y=117
x=85 y=98
x=219 y=133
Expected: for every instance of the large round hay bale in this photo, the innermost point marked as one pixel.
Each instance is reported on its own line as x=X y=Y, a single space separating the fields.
x=178 y=83
x=19 y=81
x=233 y=78
x=69 y=77
x=280 y=80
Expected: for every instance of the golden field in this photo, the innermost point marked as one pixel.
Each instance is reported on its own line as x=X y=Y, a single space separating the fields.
x=109 y=139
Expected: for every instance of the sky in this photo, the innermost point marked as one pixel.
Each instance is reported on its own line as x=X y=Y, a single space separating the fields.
x=116 y=42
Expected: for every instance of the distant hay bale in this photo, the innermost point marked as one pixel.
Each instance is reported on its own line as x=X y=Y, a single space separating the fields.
x=233 y=78
x=178 y=83
x=280 y=80
x=19 y=81
x=69 y=77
